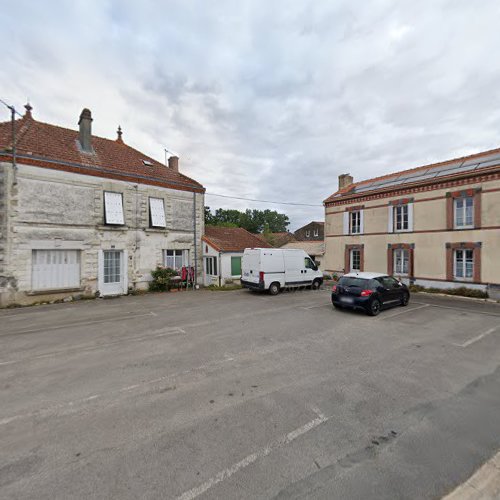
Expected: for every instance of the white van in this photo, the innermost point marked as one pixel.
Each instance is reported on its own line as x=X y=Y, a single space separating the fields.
x=276 y=268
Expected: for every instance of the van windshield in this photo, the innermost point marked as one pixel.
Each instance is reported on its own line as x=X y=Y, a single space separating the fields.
x=358 y=282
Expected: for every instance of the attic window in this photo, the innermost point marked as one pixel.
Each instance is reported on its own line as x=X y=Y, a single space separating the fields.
x=147 y=163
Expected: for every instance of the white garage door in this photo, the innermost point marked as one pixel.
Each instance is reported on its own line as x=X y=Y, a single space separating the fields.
x=56 y=269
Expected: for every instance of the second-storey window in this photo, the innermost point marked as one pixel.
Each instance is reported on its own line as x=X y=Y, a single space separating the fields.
x=316 y=232
x=463 y=263
x=355 y=222
x=464 y=212
x=157 y=212
x=401 y=259
x=113 y=208
x=401 y=219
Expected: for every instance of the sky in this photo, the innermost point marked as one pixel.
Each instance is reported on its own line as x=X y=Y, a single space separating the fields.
x=265 y=99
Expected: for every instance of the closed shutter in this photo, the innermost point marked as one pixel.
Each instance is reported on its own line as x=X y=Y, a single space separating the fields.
x=157 y=211
x=52 y=269
x=410 y=216
x=361 y=221
x=235 y=266
x=113 y=208
x=390 y=220
x=346 y=222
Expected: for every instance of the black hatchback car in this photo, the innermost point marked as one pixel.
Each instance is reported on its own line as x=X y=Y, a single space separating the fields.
x=370 y=292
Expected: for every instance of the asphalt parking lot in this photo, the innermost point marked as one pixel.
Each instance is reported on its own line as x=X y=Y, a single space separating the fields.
x=242 y=395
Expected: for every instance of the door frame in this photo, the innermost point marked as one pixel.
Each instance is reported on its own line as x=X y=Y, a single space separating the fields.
x=101 y=286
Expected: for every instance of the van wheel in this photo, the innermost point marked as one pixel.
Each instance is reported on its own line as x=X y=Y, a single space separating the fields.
x=274 y=289
x=315 y=285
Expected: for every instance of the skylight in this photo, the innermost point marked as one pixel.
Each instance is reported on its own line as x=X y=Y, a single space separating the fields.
x=147 y=163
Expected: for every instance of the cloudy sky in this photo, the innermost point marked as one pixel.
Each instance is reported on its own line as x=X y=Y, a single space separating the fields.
x=265 y=99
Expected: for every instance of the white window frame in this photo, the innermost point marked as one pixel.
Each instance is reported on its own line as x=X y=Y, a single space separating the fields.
x=113 y=208
x=400 y=254
x=157 y=212
x=460 y=264
x=351 y=259
x=400 y=221
x=355 y=222
x=308 y=233
x=176 y=258
x=316 y=232
x=463 y=212
x=211 y=266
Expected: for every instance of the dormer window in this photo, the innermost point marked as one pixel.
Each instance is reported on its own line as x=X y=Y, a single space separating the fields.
x=147 y=163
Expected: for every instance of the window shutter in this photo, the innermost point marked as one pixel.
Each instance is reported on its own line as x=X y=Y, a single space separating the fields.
x=390 y=220
x=157 y=210
x=361 y=221
x=113 y=208
x=410 y=216
x=346 y=222
x=124 y=271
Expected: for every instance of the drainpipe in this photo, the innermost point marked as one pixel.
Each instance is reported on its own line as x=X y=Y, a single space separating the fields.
x=195 y=243
x=220 y=270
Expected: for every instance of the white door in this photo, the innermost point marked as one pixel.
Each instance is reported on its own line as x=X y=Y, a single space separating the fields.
x=54 y=269
x=112 y=272
x=211 y=276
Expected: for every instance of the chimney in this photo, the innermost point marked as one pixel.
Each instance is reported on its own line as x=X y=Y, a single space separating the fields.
x=85 y=137
x=345 y=180
x=173 y=163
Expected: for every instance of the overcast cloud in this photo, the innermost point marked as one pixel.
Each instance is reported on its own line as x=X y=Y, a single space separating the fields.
x=265 y=99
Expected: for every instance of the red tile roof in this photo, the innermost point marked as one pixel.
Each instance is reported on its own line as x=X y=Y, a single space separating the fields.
x=55 y=147
x=232 y=239
x=350 y=189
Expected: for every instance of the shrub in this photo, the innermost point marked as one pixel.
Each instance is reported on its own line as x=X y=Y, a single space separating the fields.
x=461 y=291
x=162 y=279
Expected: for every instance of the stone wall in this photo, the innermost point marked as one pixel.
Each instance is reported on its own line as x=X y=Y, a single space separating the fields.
x=60 y=210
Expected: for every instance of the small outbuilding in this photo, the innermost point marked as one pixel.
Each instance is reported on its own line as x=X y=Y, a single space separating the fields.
x=222 y=252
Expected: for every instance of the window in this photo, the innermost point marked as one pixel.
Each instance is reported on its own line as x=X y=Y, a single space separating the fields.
x=309 y=264
x=464 y=264
x=112 y=266
x=464 y=212
x=176 y=259
x=235 y=266
x=157 y=212
x=355 y=222
x=113 y=208
x=316 y=232
x=401 y=219
x=308 y=233
x=388 y=282
x=401 y=260
x=355 y=259
x=211 y=266
x=53 y=269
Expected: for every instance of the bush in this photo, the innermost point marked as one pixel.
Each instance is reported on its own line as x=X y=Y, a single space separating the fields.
x=162 y=279
x=462 y=291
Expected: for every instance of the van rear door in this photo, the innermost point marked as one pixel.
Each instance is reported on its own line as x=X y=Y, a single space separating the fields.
x=250 y=265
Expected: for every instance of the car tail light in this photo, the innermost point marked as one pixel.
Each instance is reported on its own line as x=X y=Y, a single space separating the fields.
x=334 y=289
x=366 y=293
x=261 y=276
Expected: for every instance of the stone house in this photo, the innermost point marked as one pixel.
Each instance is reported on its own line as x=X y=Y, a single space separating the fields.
x=82 y=215
x=223 y=249
x=437 y=225
x=314 y=231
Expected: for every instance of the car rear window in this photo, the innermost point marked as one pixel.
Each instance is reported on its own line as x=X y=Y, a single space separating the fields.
x=359 y=282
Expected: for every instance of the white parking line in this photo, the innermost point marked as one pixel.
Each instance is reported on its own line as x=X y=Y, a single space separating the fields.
x=404 y=311
x=250 y=459
x=478 y=338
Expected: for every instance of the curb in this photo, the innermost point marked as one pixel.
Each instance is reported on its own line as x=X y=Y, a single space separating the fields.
x=460 y=297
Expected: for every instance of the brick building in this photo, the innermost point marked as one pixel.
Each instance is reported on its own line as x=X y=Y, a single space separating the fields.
x=313 y=231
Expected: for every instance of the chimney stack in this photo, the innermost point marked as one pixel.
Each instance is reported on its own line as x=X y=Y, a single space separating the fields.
x=85 y=123
x=345 y=180
x=173 y=163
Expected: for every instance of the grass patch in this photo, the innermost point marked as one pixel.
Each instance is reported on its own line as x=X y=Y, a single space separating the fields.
x=462 y=291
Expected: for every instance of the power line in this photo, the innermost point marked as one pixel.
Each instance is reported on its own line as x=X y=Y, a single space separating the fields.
x=264 y=201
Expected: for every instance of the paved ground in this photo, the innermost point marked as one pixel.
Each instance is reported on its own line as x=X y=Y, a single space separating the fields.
x=240 y=395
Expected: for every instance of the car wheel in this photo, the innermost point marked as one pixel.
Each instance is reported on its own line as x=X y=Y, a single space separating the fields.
x=274 y=289
x=374 y=307
x=315 y=285
x=405 y=299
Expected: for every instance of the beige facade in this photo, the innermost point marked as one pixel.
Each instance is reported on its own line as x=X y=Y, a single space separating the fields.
x=437 y=252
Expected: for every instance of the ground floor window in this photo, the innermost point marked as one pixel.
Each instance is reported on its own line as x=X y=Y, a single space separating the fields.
x=176 y=259
x=52 y=269
x=112 y=266
x=401 y=261
x=235 y=266
x=355 y=259
x=463 y=263
x=211 y=266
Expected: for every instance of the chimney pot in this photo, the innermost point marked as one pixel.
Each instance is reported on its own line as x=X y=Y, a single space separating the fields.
x=345 y=180
x=85 y=137
x=173 y=163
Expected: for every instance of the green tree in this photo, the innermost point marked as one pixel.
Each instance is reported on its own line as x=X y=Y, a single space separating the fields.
x=254 y=220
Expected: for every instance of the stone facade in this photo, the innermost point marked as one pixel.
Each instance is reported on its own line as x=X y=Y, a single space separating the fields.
x=46 y=209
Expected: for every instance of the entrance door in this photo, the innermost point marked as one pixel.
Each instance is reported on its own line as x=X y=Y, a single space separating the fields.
x=112 y=272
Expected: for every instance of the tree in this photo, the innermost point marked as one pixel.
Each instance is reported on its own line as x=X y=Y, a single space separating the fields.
x=254 y=220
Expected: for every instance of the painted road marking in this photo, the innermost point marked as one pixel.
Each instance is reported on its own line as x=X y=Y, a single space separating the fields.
x=253 y=457
x=404 y=311
x=473 y=340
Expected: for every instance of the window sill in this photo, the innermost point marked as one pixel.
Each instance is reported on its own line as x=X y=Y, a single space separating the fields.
x=107 y=227
x=155 y=229
x=463 y=228
x=54 y=290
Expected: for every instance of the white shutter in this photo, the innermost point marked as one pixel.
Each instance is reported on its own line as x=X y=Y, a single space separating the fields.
x=125 y=271
x=361 y=221
x=346 y=222
x=113 y=208
x=410 y=216
x=390 y=220
x=157 y=211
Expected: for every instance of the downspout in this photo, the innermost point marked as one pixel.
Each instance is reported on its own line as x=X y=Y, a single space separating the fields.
x=195 y=243
x=220 y=270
